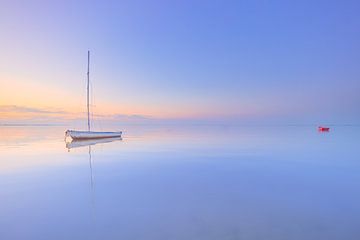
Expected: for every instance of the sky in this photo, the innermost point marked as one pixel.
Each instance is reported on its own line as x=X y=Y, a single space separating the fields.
x=238 y=61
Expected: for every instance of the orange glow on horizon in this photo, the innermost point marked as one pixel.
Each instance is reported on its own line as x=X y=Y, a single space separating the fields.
x=63 y=103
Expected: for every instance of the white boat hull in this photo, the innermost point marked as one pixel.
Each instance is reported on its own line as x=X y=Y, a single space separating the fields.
x=91 y=135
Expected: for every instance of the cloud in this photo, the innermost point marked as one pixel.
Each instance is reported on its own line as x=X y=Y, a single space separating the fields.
x=24 y=114
x=22 y=109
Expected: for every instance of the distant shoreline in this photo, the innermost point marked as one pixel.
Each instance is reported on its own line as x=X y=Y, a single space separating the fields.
x=189 y=124
x=30 y=124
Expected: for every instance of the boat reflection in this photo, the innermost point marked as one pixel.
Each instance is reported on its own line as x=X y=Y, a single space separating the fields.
x=90 y=142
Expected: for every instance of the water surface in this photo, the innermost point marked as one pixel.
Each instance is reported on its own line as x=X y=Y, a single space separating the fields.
x=188 y=182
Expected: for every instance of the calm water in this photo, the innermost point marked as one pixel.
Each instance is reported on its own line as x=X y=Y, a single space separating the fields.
x=198 y=182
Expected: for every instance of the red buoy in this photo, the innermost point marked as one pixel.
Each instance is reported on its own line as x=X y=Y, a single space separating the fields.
x=323 y=129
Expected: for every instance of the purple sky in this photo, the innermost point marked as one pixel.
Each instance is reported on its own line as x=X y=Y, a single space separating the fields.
x=282 y=61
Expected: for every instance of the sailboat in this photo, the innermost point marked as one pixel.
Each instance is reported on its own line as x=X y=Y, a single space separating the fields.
x=78 y=135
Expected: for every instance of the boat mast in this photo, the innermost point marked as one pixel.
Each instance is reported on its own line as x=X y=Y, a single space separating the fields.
x=88 y=83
